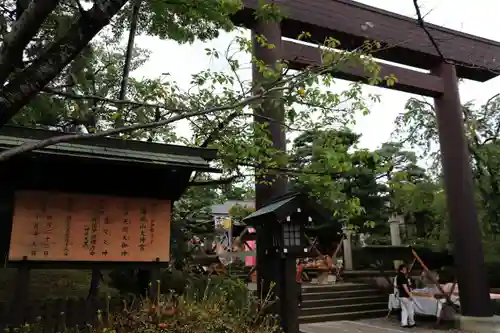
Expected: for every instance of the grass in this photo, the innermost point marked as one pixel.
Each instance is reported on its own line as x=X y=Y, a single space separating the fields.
x=51 y=283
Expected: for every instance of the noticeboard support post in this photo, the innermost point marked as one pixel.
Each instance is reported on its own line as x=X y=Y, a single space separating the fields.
x=154 y=290
x=21 y=292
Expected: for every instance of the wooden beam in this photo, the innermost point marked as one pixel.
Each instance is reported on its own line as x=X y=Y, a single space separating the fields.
x=346 y=20
x=301 y=56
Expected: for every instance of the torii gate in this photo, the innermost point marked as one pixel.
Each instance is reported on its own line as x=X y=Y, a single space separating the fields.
x=465 y=56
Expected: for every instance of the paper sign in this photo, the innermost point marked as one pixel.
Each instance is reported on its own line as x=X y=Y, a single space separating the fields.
x=50 y=226
x=226 y=223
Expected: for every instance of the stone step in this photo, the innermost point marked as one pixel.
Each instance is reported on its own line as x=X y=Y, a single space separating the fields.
x=335 y=287
x=237 y=274
x=373 y=298
x=343 y=316
x=345 y=308
x=237 y=271
x=309 y=296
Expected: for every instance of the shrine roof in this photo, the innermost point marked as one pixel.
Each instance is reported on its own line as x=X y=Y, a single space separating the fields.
x=285 y=204
x=270 y=209
x=224 y=208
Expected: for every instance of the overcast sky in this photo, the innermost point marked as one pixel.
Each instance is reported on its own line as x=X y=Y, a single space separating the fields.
x=479 y=17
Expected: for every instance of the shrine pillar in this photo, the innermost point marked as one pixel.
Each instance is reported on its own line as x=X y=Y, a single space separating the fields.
x=395 y=222
x=347 y=248
x=271 y=267
x=464 y=225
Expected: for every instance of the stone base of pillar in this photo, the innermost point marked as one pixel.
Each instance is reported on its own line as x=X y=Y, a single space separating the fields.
x=479 y=324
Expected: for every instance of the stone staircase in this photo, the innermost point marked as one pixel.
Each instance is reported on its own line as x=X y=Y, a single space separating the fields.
x=239 y=272
x=342 y=301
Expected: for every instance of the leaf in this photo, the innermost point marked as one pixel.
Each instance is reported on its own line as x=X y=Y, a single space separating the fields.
x=76 y=111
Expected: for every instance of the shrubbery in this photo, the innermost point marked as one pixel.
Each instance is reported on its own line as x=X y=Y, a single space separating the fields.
x=206 y=305
x=130 y=282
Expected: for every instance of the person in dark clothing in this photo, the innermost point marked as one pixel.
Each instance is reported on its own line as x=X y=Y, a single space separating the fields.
x=403 y=284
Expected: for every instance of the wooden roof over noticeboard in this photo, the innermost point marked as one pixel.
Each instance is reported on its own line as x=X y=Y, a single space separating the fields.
x=111 y=149
x=101 y=166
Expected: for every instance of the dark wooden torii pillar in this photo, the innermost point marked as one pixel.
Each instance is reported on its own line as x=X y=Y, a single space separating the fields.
x=271 y=267
x=464 y=224
x=465 y=56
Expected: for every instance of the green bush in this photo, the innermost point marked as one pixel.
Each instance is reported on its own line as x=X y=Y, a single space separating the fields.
x=383 y=259
x=207 y=305
x=221 y=305
x=239 y=297
x=493 y=270
x=128 y=281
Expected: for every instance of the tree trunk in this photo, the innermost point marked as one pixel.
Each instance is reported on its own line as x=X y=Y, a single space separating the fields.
x=24 y=86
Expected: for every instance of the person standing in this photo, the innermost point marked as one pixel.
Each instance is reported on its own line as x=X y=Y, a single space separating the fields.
x=298 y=279
x=404 y=290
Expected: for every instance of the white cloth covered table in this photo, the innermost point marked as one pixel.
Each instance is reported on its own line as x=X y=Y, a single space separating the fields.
x=427 y=304
x=424 y=305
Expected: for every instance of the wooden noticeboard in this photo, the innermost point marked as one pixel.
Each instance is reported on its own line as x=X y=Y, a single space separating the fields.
x=50 y=226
